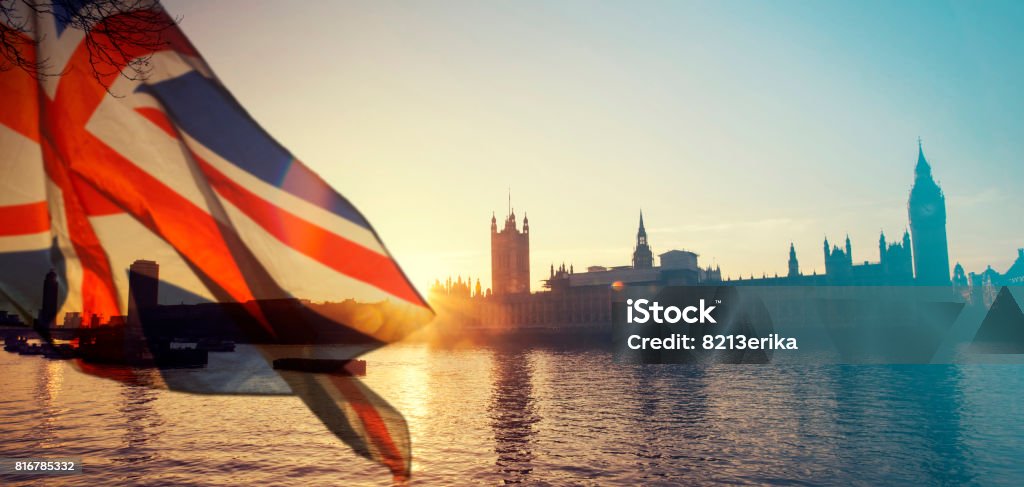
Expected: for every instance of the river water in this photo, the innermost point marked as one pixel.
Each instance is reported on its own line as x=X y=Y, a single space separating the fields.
x=541 y=416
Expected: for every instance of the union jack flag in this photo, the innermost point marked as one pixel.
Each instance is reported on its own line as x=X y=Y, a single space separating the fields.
x=99 y=168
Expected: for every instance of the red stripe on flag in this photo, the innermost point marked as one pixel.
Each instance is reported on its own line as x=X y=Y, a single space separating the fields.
x=159 y=119
x=24 y=219
x=374 y=425
x=75 y=160
x=93 y=202
x=82 y=87
x=328 y=248
x=191 y=231
x=99 y=294
x=19 y=89
x=63 y=121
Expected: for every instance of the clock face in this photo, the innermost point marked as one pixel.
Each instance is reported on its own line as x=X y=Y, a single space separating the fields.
x=926 y=209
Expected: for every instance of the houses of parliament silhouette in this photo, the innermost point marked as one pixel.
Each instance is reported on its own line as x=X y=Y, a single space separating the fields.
x=919 y=257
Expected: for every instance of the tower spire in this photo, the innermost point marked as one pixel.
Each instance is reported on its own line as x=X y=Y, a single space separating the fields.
x=643 y=258
x=923 y=169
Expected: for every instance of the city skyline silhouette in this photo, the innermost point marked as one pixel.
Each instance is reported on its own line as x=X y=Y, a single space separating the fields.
x=920 y=257
x=726 y=124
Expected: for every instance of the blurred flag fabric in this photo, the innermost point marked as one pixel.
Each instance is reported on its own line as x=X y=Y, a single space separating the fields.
x=125 y=146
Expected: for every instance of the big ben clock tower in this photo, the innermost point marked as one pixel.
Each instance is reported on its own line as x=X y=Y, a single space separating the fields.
x=927 y=209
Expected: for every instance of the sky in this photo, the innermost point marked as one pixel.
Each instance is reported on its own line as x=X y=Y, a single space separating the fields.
x=738 y=127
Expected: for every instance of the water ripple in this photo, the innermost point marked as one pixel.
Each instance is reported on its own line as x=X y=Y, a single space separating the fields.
x=543 y=417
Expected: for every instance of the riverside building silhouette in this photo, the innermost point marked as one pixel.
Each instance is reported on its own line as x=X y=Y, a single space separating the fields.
x=510 y=256
x=48 y=312
x=143 y=287
x=919 y=257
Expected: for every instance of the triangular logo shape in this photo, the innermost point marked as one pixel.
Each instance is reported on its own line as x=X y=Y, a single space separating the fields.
x=1002 y=331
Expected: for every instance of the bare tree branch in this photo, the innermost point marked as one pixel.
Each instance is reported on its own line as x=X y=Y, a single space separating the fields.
x=17 y=48
x=120 y=35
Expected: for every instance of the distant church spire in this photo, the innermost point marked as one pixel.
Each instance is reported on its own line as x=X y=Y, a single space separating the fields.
x=643 y=258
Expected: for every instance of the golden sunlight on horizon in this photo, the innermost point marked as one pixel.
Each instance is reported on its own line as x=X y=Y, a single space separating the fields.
x=424 y=117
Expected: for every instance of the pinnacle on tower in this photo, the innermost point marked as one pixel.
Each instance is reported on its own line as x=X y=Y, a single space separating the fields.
x=923 y=169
